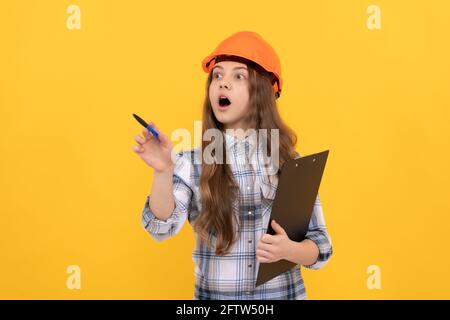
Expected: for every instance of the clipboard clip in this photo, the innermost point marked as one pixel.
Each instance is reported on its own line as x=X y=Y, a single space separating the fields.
x=313 y=160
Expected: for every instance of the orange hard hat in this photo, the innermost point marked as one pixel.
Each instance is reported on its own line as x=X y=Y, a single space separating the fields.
x=251 y=46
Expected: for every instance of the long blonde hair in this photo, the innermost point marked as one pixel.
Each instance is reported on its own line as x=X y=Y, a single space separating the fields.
x=217 y=186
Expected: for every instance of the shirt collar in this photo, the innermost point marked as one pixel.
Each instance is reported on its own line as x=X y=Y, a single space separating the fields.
x=266 y=176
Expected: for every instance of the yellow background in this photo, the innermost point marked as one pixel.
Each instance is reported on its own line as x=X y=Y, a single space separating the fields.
x=72 y=190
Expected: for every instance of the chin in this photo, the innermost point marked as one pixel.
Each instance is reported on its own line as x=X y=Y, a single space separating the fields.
x=223 y=120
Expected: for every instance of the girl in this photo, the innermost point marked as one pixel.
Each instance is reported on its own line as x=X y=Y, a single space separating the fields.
x=229 y=204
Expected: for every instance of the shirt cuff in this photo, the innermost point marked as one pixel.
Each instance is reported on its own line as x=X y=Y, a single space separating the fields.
x=156 y=227
x=325 y=250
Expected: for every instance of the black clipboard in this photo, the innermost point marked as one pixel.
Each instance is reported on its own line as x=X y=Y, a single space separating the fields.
x=298 y=186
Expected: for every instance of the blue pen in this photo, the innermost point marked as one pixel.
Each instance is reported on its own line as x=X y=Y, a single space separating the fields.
x=145 y=125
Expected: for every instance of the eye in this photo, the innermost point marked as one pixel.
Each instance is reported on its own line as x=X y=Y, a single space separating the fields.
x=241 y=74
x=215 y=75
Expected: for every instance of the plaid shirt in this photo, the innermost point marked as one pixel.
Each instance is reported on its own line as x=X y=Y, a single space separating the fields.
x=233 y=275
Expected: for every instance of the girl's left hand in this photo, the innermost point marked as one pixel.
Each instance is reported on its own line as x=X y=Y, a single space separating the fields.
x=272 y=248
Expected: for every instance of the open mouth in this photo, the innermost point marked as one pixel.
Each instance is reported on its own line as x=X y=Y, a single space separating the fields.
x=224 y=101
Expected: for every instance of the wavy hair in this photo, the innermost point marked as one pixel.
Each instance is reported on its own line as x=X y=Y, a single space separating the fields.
x=217 y=186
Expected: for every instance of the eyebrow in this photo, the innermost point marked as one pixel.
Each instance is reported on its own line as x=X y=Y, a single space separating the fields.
x=235 y=68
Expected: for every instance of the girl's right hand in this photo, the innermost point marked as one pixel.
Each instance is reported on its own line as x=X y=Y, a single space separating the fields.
x=154 y=153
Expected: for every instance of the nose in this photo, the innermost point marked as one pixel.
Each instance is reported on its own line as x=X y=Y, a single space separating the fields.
x=225 y=84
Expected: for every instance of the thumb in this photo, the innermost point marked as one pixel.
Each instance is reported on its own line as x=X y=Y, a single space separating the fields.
x=164 y=139
x=161 y=136
x=277 y=228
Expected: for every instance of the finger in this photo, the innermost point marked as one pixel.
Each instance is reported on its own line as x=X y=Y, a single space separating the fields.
x=161 y=136
x=264 y=254
x=153 y=126
x=265 y=246
x=138 y=149
x=277 y=228
x=147 y=135
x=264 y=258
x=267 y=238
x=139 y=139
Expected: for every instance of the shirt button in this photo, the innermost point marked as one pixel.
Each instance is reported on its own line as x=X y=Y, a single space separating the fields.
x=248 y=293
x=249 y=212
x=248 y=188
x=249 y=241
x=249 y=265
